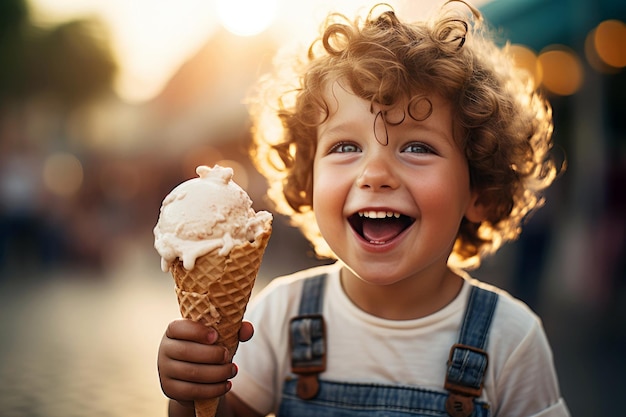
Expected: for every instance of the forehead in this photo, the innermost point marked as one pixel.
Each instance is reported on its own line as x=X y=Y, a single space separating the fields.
x=336 y=92
x=341 y=101
x=349 y=114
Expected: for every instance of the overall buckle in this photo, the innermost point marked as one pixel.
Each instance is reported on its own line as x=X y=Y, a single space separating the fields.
x=464 y=379
x=307 y=342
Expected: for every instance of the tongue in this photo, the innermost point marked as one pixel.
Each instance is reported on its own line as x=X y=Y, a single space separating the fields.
x=380 y=231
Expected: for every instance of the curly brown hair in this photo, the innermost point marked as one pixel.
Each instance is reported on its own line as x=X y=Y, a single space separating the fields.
x=504 y=126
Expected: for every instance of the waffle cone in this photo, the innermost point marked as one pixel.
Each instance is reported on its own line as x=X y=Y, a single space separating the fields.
x=216 y=292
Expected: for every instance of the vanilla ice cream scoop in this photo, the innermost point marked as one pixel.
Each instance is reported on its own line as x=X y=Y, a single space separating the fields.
x=205 y=214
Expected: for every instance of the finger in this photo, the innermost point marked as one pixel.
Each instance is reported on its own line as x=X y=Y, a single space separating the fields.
x=198 y=373
x=185 y=329
x=246 y=332
x=189 y=391
x=190 y=351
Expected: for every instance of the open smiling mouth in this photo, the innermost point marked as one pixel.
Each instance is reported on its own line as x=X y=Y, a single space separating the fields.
x=379 y=227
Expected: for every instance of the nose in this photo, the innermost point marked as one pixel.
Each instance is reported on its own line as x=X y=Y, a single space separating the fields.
x=377 y=174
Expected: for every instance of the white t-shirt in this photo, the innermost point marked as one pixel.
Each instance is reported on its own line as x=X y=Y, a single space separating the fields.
x=520 y=378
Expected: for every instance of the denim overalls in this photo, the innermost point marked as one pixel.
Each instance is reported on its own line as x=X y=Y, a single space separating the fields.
x=308 y=395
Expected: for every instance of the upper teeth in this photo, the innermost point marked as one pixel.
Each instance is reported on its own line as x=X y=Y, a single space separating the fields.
x=373 y=214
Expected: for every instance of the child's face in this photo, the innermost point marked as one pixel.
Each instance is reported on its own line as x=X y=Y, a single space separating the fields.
x=418 y=183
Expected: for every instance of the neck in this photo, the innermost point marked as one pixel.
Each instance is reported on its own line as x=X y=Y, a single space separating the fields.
x=410 y=298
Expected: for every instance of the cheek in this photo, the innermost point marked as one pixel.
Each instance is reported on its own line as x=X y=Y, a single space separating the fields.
x=329 y=194
x=445 y=194
x=322 y=188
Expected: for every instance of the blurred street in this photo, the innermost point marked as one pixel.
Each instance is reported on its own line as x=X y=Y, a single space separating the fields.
x=81 y=344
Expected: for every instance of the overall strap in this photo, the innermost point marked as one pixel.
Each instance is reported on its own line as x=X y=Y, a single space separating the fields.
x=468 y=357
x=307 y=338
x=312 y=298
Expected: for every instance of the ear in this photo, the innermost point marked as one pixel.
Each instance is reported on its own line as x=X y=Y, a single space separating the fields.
x=475 y=211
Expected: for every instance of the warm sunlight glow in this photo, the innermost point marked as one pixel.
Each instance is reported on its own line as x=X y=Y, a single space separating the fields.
x=246 y=17
x=562 y=70
x=152 y=38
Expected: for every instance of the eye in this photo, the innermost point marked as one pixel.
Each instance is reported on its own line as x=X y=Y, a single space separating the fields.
x=418 y=147
x=344 y=147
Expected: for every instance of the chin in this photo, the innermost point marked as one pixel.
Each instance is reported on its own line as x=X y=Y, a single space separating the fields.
x=379 y=276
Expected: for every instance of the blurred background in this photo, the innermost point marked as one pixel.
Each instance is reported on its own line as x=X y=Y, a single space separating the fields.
x=106 y=106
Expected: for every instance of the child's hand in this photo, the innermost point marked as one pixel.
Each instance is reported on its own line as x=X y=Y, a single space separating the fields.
x=190 y=366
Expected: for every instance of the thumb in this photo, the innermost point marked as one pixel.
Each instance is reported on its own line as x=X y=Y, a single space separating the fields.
x=246 y=332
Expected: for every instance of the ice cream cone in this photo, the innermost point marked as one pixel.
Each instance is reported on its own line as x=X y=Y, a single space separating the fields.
x=216 y=292
x=212 y=241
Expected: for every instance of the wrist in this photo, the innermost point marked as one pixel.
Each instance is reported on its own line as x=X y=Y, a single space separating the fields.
x=181 y=409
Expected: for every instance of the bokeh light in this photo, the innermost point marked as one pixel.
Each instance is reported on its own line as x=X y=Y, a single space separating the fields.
x=562 y=70
x=591 y=54
x=526 y=58
x=62 y=174
x=246 y=17
x=610 y=42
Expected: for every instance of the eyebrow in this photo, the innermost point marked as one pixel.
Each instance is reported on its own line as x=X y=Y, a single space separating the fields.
x=436 y=130
x=329 y=128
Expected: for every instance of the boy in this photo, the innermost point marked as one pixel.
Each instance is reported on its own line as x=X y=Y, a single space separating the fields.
x=407 y=152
